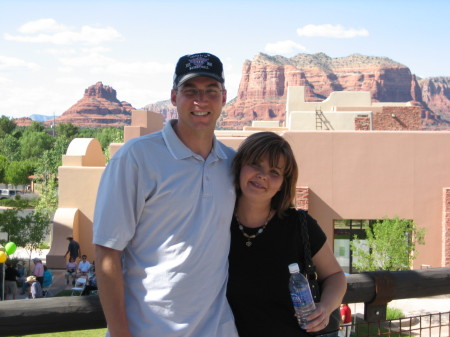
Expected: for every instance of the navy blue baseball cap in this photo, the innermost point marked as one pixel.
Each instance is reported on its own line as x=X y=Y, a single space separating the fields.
x=195 y=65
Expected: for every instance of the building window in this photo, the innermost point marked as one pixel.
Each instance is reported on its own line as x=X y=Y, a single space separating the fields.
x=344 y=232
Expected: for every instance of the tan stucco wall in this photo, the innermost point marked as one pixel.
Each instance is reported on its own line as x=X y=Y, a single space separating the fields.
x=143 y=122
x=349 y=175
x=338 y=120
x=79 y=177
x=370 y=175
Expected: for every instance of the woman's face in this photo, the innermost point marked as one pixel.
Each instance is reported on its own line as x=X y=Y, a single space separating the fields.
x=260 y=181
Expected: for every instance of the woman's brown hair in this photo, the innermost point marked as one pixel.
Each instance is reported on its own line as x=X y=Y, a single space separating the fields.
x=253 y=149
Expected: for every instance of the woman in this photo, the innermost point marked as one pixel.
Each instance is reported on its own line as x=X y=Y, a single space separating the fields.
x=71 y=270
x=265 y=240
x=48 y=277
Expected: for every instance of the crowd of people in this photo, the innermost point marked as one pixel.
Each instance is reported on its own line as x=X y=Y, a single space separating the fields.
x=16 y=277
x=35 y=284
x=83 y=269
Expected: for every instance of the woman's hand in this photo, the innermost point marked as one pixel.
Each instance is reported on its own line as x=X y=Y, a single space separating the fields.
x=318 y=319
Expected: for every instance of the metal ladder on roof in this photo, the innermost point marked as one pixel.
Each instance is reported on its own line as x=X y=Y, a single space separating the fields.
x=322 y=121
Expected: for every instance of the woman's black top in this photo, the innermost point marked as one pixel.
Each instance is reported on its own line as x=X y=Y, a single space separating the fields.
x=258 y=290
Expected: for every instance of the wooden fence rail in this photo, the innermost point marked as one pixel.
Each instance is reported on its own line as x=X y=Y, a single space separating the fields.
x=375 y=289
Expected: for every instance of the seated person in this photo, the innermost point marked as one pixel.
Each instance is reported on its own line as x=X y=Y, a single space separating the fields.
x=48 y=279
x=36 y=289
x=22 y=273
x=91 y=281
x=71 y=270
x=84 y=266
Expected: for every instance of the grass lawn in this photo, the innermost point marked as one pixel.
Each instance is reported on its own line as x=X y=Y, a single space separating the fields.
x=374 y=329
x=84 y=333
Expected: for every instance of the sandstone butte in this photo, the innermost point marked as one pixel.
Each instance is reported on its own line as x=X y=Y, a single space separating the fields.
x=265 y=79
x=98 y=107
x=263 y=89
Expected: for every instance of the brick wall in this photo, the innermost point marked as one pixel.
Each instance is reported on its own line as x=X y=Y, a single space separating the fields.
x=398 y=118
x=362 y=123
x=234 y=124
x=446 y=228
x=302 y=198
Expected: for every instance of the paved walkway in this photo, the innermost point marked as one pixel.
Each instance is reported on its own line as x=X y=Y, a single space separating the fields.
x=413 y=306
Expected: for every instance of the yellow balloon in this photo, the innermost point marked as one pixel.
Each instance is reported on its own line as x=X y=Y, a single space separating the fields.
x=3 y=257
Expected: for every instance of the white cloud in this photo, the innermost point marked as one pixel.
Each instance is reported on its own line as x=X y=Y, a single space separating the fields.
x=42 y=25
x=98 y=63
x=70 y=80
x=284 y=47
x=13 y=62
x=333 y=31
x=62 y=35
x=60 y=51
x=4 y=80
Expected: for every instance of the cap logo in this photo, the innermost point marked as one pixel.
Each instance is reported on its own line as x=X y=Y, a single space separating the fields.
x=198 y=62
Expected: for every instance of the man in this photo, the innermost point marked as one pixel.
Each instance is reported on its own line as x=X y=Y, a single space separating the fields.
x=163 y=209
x=83 y=266
x=73 y=248
x=11 y=276
x=38 y=270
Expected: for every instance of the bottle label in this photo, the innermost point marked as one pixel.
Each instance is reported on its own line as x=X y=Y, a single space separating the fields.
x=302 y=298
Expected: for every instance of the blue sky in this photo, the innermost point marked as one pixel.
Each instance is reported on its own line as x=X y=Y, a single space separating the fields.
x=51 y=51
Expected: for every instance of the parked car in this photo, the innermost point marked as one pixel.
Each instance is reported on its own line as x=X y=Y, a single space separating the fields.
x=8 y=194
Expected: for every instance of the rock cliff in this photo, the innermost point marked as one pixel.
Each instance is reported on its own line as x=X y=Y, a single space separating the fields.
x=98 y=107
x=265 y=79
x=436 y=94
x=163 y=107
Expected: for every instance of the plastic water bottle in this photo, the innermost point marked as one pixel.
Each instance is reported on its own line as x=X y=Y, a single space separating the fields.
x=301 y=295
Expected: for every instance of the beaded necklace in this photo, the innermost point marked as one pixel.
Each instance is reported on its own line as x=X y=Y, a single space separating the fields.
x=250 y=237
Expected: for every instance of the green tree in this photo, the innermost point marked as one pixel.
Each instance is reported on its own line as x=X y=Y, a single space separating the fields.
x=67 y=130
x=87 y=133
x=390 y=245
x=27 y=231
x=48 y=201
x=48 y=163
x=18 y=172
x=10 y=223
x=107 y=136
x=34 y=143
x=7 y=126
x=10 y=147
x=3 y=165
x=36 y=228
x=35 y=127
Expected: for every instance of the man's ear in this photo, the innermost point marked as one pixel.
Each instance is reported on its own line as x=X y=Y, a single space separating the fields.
x=173 y=97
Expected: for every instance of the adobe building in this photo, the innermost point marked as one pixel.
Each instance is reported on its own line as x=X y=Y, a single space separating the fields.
x=347 y=177
x=348 y=110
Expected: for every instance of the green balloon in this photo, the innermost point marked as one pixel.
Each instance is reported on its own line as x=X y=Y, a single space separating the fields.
x=10 y=248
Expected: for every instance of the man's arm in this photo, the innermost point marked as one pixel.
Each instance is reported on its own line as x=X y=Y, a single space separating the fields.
x=111 y=290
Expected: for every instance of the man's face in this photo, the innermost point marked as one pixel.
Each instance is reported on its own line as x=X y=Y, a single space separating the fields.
x=199 y=102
